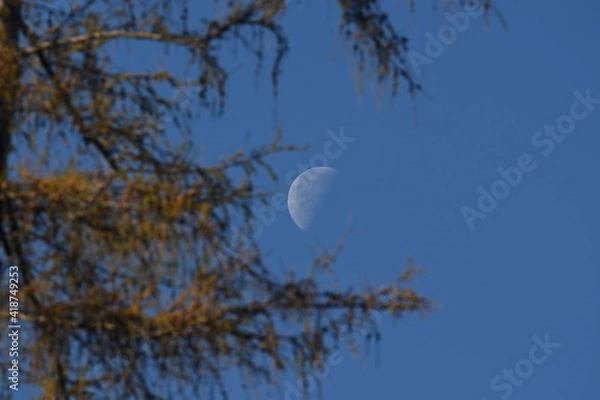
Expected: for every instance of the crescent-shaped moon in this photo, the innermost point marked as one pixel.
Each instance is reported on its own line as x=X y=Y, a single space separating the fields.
x=306 y=194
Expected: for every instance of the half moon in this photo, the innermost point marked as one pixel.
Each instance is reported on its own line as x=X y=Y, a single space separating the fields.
x=306 y=194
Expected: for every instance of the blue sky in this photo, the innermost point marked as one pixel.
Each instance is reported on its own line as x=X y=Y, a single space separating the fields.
x=526 y=272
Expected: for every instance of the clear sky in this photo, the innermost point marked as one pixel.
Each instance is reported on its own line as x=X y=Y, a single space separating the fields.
x=526 y=273
x=529 y=269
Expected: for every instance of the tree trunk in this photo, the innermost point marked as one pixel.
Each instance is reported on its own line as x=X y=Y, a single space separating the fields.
x=9 y=75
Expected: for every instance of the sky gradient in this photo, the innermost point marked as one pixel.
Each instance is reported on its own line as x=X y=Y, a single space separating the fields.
x=525 y=274
x=516 y=275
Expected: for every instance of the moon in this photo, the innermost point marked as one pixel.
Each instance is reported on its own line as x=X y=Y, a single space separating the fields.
x=306 y=194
